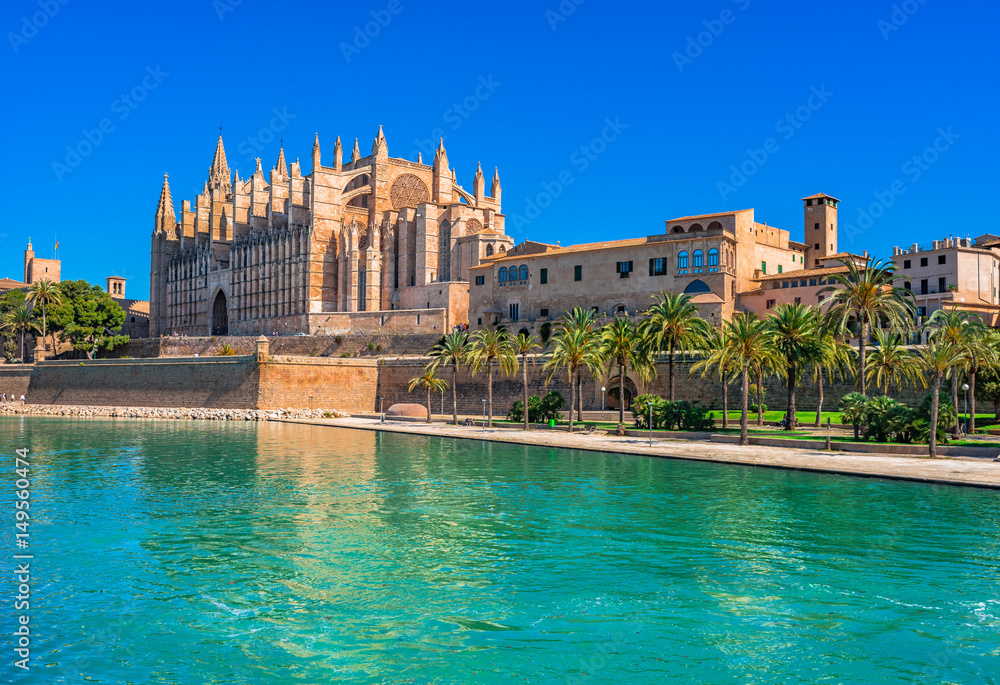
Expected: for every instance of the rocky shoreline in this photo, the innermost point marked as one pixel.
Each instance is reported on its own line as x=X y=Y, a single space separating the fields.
x=198 y=414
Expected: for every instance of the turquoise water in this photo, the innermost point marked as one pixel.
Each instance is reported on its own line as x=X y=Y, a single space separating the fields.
x=187 y=552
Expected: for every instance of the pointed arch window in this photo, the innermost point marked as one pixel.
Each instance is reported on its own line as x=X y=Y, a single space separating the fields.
x=444 y=252
x=489 y=250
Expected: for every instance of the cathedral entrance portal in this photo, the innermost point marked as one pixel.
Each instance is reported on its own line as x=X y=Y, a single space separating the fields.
x=220 y=315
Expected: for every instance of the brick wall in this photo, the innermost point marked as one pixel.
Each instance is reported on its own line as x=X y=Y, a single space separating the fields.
x=14 y=379
x=286 y=346
x=345 y=384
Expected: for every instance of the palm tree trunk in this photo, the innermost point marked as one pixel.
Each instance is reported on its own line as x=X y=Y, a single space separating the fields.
x=972 y=402
x=489 y=392
x=454 y=394
x=932 y=442
x=621 y=394
x=43 y=324
x=22 y=345
x=670 y=368
x=744 y=437
x=862 y=346
x=725 y=402
x=428 y=405
x=572 y=398
x=760 y=397
x=819 y=396
x=525 y=376
x=954 y=401
x=579 y=396
x=790 y=412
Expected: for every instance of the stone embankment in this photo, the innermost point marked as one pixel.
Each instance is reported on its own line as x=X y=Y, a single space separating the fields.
x=172 y=413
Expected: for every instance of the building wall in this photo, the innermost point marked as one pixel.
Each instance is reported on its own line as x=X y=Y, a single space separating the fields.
x=971 y=276
x=14 y=379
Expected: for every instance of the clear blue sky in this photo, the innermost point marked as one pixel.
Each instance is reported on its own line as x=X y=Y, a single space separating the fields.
x=556 y=77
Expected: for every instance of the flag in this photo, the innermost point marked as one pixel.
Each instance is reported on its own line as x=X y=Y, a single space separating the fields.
x=57 y=244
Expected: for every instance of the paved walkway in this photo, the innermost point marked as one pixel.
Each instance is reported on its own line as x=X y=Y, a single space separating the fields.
x=967 y=472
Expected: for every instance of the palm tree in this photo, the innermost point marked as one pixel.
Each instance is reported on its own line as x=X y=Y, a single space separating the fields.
x=892 y=364
x=794 y=335
x=672 y=324
x=747 y=343
x=573 y=348
x=955 y=328
x=716 y=361
x=621 y=346
x=524 y=345
x=867 y=293
x=430 y=382
x=583 y=320
x=981 y=356
x=937 y=358
x=452 y=351
x=491 y=346
x=834 y=356
x=44 y=292
x=22 y=320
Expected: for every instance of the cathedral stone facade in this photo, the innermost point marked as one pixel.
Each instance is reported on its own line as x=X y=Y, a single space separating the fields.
x=377 y=244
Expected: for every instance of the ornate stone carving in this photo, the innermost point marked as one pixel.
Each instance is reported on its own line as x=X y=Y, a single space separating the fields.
x=407 y=191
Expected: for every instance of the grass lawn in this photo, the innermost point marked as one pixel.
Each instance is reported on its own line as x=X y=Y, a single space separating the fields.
x=804 y=417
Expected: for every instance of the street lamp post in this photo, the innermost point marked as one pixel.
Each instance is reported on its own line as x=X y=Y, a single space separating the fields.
x=603 y=390
x=650 y=422
x=484 y=416
x=380 y=406
x=965 y=387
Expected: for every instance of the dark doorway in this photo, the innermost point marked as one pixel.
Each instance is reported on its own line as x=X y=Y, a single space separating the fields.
x=220 y=315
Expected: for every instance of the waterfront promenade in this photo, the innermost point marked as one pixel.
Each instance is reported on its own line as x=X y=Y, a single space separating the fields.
x=950 y=471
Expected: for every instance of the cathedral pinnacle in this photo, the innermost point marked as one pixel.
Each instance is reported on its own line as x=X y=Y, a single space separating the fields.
x=356 y=153
x=380 y=147
x=219 y=171
x=281 y=166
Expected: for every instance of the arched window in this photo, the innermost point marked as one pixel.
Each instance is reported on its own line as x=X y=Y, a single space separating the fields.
x=677 y=229
x=522 y=274
x=489 y=250
x=682 y=260
x=713 y=257
x=699 y=259
x=502 y=275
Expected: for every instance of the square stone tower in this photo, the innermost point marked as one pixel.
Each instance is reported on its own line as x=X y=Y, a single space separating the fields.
x=820 y=228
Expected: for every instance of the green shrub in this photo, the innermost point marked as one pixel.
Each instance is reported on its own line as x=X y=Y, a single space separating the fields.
x=226 y=350
x=540 y=409
x=371 y=347
x=345 y=355
x=753 y=408
x=546 y=332
x=683 y=415
x=946 y=415
x=338 y=339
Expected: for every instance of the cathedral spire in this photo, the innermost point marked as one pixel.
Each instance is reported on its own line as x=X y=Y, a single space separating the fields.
x=338 y=154
x=315 y=153
x=356 y=153
x=219 y=171
x=441 y=157
x=281 y=166
x=495 y=190
x=479 y=185
x=165 y=219
x=380 y=149
x=259 y=171
x=420 y=158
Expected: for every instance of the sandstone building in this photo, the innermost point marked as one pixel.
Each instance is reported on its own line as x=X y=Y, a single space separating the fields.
x=713 y=257
x=35 y=269
x=136 y=324
x=373 y=244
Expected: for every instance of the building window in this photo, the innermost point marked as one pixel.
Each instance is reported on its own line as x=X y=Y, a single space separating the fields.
x=907 y=286
x=513 y=312
x=713 y=257
x=942 y=284
x=770 y=304
x=522 y=273
x=798 y=300
x=779 y=268
x=623 y=269
x=657 y=266
x=784 y=284
x=480 y=280
x=699 y=259
x=503 y=276
x=816 y=246
x=923 y=261
x=921 y=311
x=543 y=276
x=817 y=227
x=682 y=260
x=489 y=250
x=479 y=321
x=942 y=259
x=763 y=267
x=923 y=287
x=812 y=281
x=809 y=203
x=544 y=313
x=578 y=272
x=906 y=263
